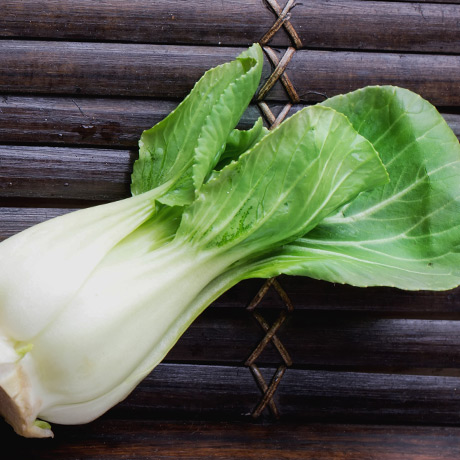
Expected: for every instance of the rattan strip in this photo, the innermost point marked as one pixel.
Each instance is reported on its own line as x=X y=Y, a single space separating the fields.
x=270 y=335
x=279 y=73
x=282 y=20
x=268 y=391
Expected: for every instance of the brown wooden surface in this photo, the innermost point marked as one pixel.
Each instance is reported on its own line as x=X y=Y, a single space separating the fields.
x=207 y=392
x=110 y=122
x=318 y=338
x=338 y=24
x=102 y=122
x=193 y=440
x=166 y=71
x=65 y=172
x=79 y=81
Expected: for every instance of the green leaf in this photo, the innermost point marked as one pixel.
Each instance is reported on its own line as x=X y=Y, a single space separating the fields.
x=241 y=140
x=184 y=147
x=238 y=142
x=406 y=233
x=294 y=177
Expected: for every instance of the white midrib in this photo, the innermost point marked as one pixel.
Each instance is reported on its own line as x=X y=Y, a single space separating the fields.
x=377 y=263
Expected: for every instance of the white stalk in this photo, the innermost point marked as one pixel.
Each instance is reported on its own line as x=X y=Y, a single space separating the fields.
x=109 y=336
x=43 y=267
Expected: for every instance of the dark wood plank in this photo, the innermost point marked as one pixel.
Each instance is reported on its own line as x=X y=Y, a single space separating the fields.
x=224 y=392
x=307 y=293
x=376 y=25
x=64 y=172
x=86 y=121
x=350 y=24
x=106 y=122
x=330 y=339
x=167 y=22
x=109 y=69
x=195 y=440
x=332 y=73
x=324 y=295
x=170 y=71
x=321 y=295
x=82 y=121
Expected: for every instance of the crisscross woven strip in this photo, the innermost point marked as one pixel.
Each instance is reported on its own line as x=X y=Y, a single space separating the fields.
x=283 y=16
x=268 y=391
x=278 y=73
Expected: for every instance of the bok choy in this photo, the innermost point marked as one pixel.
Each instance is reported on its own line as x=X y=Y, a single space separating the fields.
x=361 y=189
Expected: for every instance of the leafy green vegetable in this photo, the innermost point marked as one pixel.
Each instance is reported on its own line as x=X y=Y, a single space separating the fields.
x=187 y=144
x=307 y=167
x=405 y=233
x=44 y=267
x=214 y=205
x=137 y=297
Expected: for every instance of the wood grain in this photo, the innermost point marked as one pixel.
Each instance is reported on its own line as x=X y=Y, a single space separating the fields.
x=109 y=69
x=111 y=122
x=307 y=293
x=105 y=122
x=376 y=25
x=192 y=440
x=433 y=77
x=63 y=172
x=320 y=339
x=78 y=121
x=350 y=24
x=190 y=391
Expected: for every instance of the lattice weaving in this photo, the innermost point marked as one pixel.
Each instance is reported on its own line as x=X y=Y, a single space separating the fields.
x=279 y=73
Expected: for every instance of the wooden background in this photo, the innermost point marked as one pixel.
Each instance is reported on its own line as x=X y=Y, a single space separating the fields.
x=376 y=372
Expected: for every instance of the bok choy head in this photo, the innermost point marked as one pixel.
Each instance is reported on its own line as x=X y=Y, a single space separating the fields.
x=43 y=268
x=212 y=205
